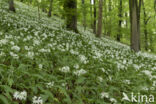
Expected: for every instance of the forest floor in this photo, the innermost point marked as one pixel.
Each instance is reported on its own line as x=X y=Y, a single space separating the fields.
x=40 y=58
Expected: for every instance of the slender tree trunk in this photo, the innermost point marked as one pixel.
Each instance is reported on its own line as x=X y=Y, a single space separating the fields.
x=39 y=11
x=120 y=21
x=70 y=7
x=104 y=17
x=99 y=29
x=94 y=27
x=91 y=13
x=110 y=18
x=126 y=20
x=11 y=6
x=138 y=14
x=50 y=8
x=155 y=6
x=84 y=14
x=135 y=25
x=145 y=26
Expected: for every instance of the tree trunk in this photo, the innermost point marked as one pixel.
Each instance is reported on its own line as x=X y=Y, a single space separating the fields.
x=50 y=8
x=155 y=6
x=84 y=14
x=120 y=21
x=138 y=14
x=70 y=7
x=105 y=30
x=91 y=15
x=39 y=11
x=94 y=27
x=126 y=20
x=11 y=6
x=135 y=25
x=110 y=18
x=145 y=26
x=99 y=29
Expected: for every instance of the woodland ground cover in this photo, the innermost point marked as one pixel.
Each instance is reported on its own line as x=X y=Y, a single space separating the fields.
x=42 y=63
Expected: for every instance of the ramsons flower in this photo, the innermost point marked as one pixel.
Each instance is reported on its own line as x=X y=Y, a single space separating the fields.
x=15 y=48
x=65 y=69
x=15 y=56
x=104 y=95
x=50 y=84
x=37 y=100
x=20 y=95
x=80 y=72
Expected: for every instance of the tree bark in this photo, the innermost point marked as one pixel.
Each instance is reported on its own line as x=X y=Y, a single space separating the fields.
x=110 y=18
x=50 y=8
x=145 y=26
x=135 y=24
x=91 y=14
x=120 y=21
x=11 y=6
x=70 y=7
x=39 y=11
x=155 y=6
x=84 y=14
x=99 y=29
x=94 y=27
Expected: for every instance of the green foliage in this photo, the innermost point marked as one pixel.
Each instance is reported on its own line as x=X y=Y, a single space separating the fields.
x=62 y=67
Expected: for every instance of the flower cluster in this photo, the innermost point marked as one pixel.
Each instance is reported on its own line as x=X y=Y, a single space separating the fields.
x=20 y=95
x=50 y=84
x=16 y=48
x=65 y=69
x=37 y=100
x=80 y=72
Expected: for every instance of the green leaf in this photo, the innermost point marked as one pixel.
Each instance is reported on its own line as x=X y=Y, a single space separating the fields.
x=3 y=100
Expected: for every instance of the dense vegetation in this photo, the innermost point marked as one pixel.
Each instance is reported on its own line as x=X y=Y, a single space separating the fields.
x=42 y=62
x=115 y=18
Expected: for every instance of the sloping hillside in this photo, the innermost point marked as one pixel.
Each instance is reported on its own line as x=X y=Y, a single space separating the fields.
x=41 y=62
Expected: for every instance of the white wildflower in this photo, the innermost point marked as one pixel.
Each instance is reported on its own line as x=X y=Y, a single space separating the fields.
x=147 y=72
x=30 y=55
x=83 y=59
x=127 y=81
x=20 y=95
x=80 y=72
x=63 y=84
x=15 y=48
x=113 y=100
x=3 y=41
x=104 y=95
x=37 y=100
x=136 y=66
x=76 y=66
x=154 y=83
x=100 y=79
x=50 y=84
x=2 y=54
x=12 y=43
x=15 y=56
x=36 y=42
x=40 y=66
x=65 y=69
